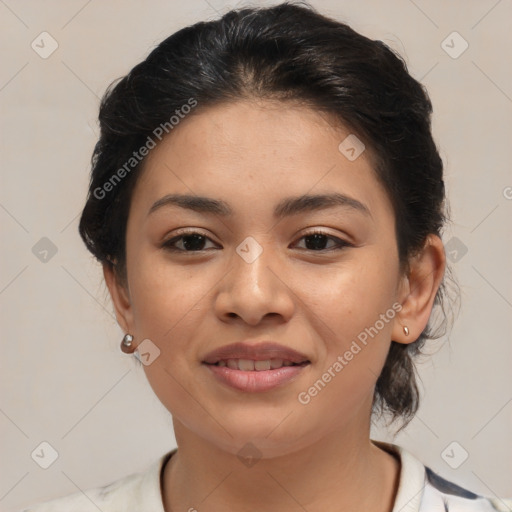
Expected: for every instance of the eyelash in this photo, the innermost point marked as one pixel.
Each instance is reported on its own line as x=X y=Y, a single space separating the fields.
x=341 y=244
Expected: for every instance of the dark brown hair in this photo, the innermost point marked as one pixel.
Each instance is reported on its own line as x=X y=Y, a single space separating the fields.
x=288 y=52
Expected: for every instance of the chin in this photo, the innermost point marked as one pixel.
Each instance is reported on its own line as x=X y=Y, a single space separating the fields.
x=268 y=439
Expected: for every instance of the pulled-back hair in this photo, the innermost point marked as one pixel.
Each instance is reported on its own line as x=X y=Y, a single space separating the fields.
x=288 y=53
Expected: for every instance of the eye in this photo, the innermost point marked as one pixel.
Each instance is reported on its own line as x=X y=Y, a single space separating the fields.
x=195 y=241
x=191 y=241
x=316 y=241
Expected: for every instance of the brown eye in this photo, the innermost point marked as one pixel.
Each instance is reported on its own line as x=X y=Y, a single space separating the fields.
x=317 y=240
x=187 y=242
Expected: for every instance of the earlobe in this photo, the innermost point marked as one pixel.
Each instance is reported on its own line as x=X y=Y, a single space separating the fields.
x=419 y=289
x=120 y=298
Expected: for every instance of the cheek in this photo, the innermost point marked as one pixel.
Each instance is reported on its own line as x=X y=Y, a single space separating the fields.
x=163 y=293
x=351 y=297
x=354 y=305
x=167 y=308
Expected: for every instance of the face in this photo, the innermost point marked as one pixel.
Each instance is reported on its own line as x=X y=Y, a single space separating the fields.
x=199 y=280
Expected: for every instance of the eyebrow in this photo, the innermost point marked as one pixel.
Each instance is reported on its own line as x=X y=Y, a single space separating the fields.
x=285 y=208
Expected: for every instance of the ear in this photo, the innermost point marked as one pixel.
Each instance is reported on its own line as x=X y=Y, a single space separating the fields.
x=418 y=289
x=120 y=296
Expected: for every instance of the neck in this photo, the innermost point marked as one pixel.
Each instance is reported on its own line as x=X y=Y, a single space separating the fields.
x=340 y=472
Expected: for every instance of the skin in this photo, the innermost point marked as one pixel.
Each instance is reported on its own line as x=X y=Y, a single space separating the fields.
x=318 y=456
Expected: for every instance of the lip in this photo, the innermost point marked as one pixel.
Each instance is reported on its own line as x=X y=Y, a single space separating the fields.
x=260 y=351
x=256 y=381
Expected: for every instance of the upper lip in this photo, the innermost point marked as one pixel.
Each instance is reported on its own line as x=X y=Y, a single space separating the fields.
x=260 y=351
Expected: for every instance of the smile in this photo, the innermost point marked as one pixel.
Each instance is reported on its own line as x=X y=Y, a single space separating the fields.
x=252 y=365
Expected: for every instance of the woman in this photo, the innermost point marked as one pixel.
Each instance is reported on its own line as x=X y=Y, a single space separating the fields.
x=267 y=203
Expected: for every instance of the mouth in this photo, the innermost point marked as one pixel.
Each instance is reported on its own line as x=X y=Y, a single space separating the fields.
x=261 y=354
x=250 y=365
x=258 y=367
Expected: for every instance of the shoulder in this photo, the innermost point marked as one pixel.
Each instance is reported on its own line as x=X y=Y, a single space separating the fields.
x=440 y=492
x=422 y=490
x=134 y=492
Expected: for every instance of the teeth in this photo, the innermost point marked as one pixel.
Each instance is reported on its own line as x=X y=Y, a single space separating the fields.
x=245 y=365
x=262 y=365
x=250 y=365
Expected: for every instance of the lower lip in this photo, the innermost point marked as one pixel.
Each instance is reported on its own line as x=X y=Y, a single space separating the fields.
x=255 y=381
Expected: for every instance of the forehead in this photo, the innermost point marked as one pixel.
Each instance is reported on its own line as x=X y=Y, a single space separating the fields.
x=251 y=154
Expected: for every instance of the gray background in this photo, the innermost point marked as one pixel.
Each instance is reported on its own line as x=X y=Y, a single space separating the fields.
x=63 y=377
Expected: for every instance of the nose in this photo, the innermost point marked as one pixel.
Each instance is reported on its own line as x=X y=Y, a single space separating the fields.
x=255 y=291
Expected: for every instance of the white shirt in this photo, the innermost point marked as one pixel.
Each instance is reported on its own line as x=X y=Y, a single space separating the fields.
x=419 y=490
